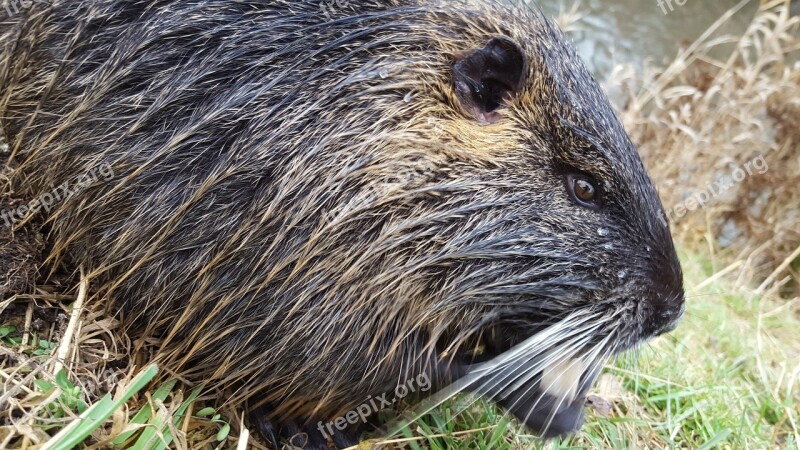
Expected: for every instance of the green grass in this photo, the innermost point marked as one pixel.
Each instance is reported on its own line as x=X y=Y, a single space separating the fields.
x=726 y=378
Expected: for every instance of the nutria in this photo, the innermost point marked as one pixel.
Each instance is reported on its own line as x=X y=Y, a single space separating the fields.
x=312 y=203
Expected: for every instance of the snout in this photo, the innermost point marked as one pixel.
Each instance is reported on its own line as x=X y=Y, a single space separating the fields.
x=672 y=316
x=659 y=315
x=665 y=296
x=666 y=302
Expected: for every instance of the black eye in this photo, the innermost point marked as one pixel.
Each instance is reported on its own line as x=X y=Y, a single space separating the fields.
x=583 y=191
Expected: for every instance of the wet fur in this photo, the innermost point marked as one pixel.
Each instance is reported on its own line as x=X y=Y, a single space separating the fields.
x=302 y=211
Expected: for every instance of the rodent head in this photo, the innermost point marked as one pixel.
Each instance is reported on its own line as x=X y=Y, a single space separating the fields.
x=572 y=184
x=556 y=253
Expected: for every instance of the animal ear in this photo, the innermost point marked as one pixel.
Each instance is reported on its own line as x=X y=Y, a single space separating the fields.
x=488 y=77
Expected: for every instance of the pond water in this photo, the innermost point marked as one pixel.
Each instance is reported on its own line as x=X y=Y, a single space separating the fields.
x=637 y=31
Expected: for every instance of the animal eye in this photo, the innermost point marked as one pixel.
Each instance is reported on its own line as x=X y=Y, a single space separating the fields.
x=583 y=191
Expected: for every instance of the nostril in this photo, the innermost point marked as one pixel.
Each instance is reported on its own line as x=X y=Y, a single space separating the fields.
x=671 y=314
x=673 y=321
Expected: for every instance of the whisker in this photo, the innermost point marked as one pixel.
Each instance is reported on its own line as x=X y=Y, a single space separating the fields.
x=528 y=375
x=559 y=331
x=591 y=357
x=530 y=357
x=573 y=344
x=499 y=377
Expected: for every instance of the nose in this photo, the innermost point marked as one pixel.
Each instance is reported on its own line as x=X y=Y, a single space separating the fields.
x=667 y=298
x=672 y=316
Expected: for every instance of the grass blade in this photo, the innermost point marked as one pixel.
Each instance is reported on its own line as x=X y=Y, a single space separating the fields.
x=79 y=429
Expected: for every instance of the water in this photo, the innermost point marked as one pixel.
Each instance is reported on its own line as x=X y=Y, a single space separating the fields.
x=640 y=31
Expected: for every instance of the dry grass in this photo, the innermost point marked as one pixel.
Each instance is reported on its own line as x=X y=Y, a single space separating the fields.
x=97 y=359
x=729 y=377
x=701 y=118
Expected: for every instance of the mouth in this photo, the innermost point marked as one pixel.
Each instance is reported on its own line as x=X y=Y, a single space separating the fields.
x=553 y=405
x=544 y=380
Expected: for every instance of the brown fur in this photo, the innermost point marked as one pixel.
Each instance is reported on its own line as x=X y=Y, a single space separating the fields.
x=303 y=211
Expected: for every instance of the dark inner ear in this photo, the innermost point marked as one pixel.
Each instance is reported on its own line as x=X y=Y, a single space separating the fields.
x=486 y=78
